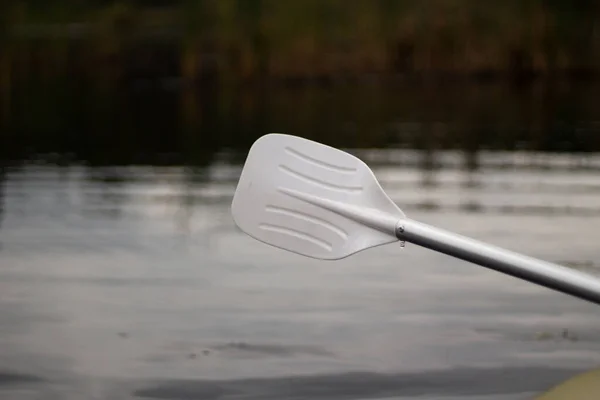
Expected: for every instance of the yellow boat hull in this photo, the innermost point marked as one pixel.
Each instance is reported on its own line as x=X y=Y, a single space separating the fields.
x=581 y=387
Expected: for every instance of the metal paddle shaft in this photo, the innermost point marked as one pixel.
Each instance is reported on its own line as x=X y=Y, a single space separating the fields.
x=543 y=273
x=321 y=202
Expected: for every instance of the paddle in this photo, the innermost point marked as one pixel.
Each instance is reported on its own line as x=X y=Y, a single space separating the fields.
x=321 y=202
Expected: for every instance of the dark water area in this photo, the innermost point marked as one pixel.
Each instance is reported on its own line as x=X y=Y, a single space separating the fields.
x=162 y=120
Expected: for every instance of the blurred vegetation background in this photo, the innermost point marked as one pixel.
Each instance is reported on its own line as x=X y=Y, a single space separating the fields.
x=170 y=82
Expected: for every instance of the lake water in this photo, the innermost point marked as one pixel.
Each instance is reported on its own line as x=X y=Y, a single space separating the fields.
x=122 y=275
x=133 y=282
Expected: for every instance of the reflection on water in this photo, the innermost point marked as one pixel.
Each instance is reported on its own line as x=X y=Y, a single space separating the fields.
x=503 y=183
x=158 y=127
x=2 y=184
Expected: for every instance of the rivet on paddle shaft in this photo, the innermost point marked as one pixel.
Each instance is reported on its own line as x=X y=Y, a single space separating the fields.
x=400 y=229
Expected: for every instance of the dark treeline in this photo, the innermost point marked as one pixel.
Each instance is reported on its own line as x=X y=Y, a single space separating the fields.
x=175 y=81
x=324 y=38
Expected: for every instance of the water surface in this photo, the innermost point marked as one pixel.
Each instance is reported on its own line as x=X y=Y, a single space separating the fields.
x=134 y=283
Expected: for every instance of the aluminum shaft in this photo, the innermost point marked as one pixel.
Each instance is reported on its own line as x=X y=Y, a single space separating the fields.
x=553 y=276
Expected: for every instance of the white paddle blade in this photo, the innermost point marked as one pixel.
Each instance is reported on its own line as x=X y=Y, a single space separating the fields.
x=312 y=199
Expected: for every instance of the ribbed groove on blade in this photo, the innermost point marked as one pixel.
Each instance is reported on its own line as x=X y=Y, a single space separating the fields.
x=323 y=164
x=309 y=218
x=320 y=182
x=297 y=234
